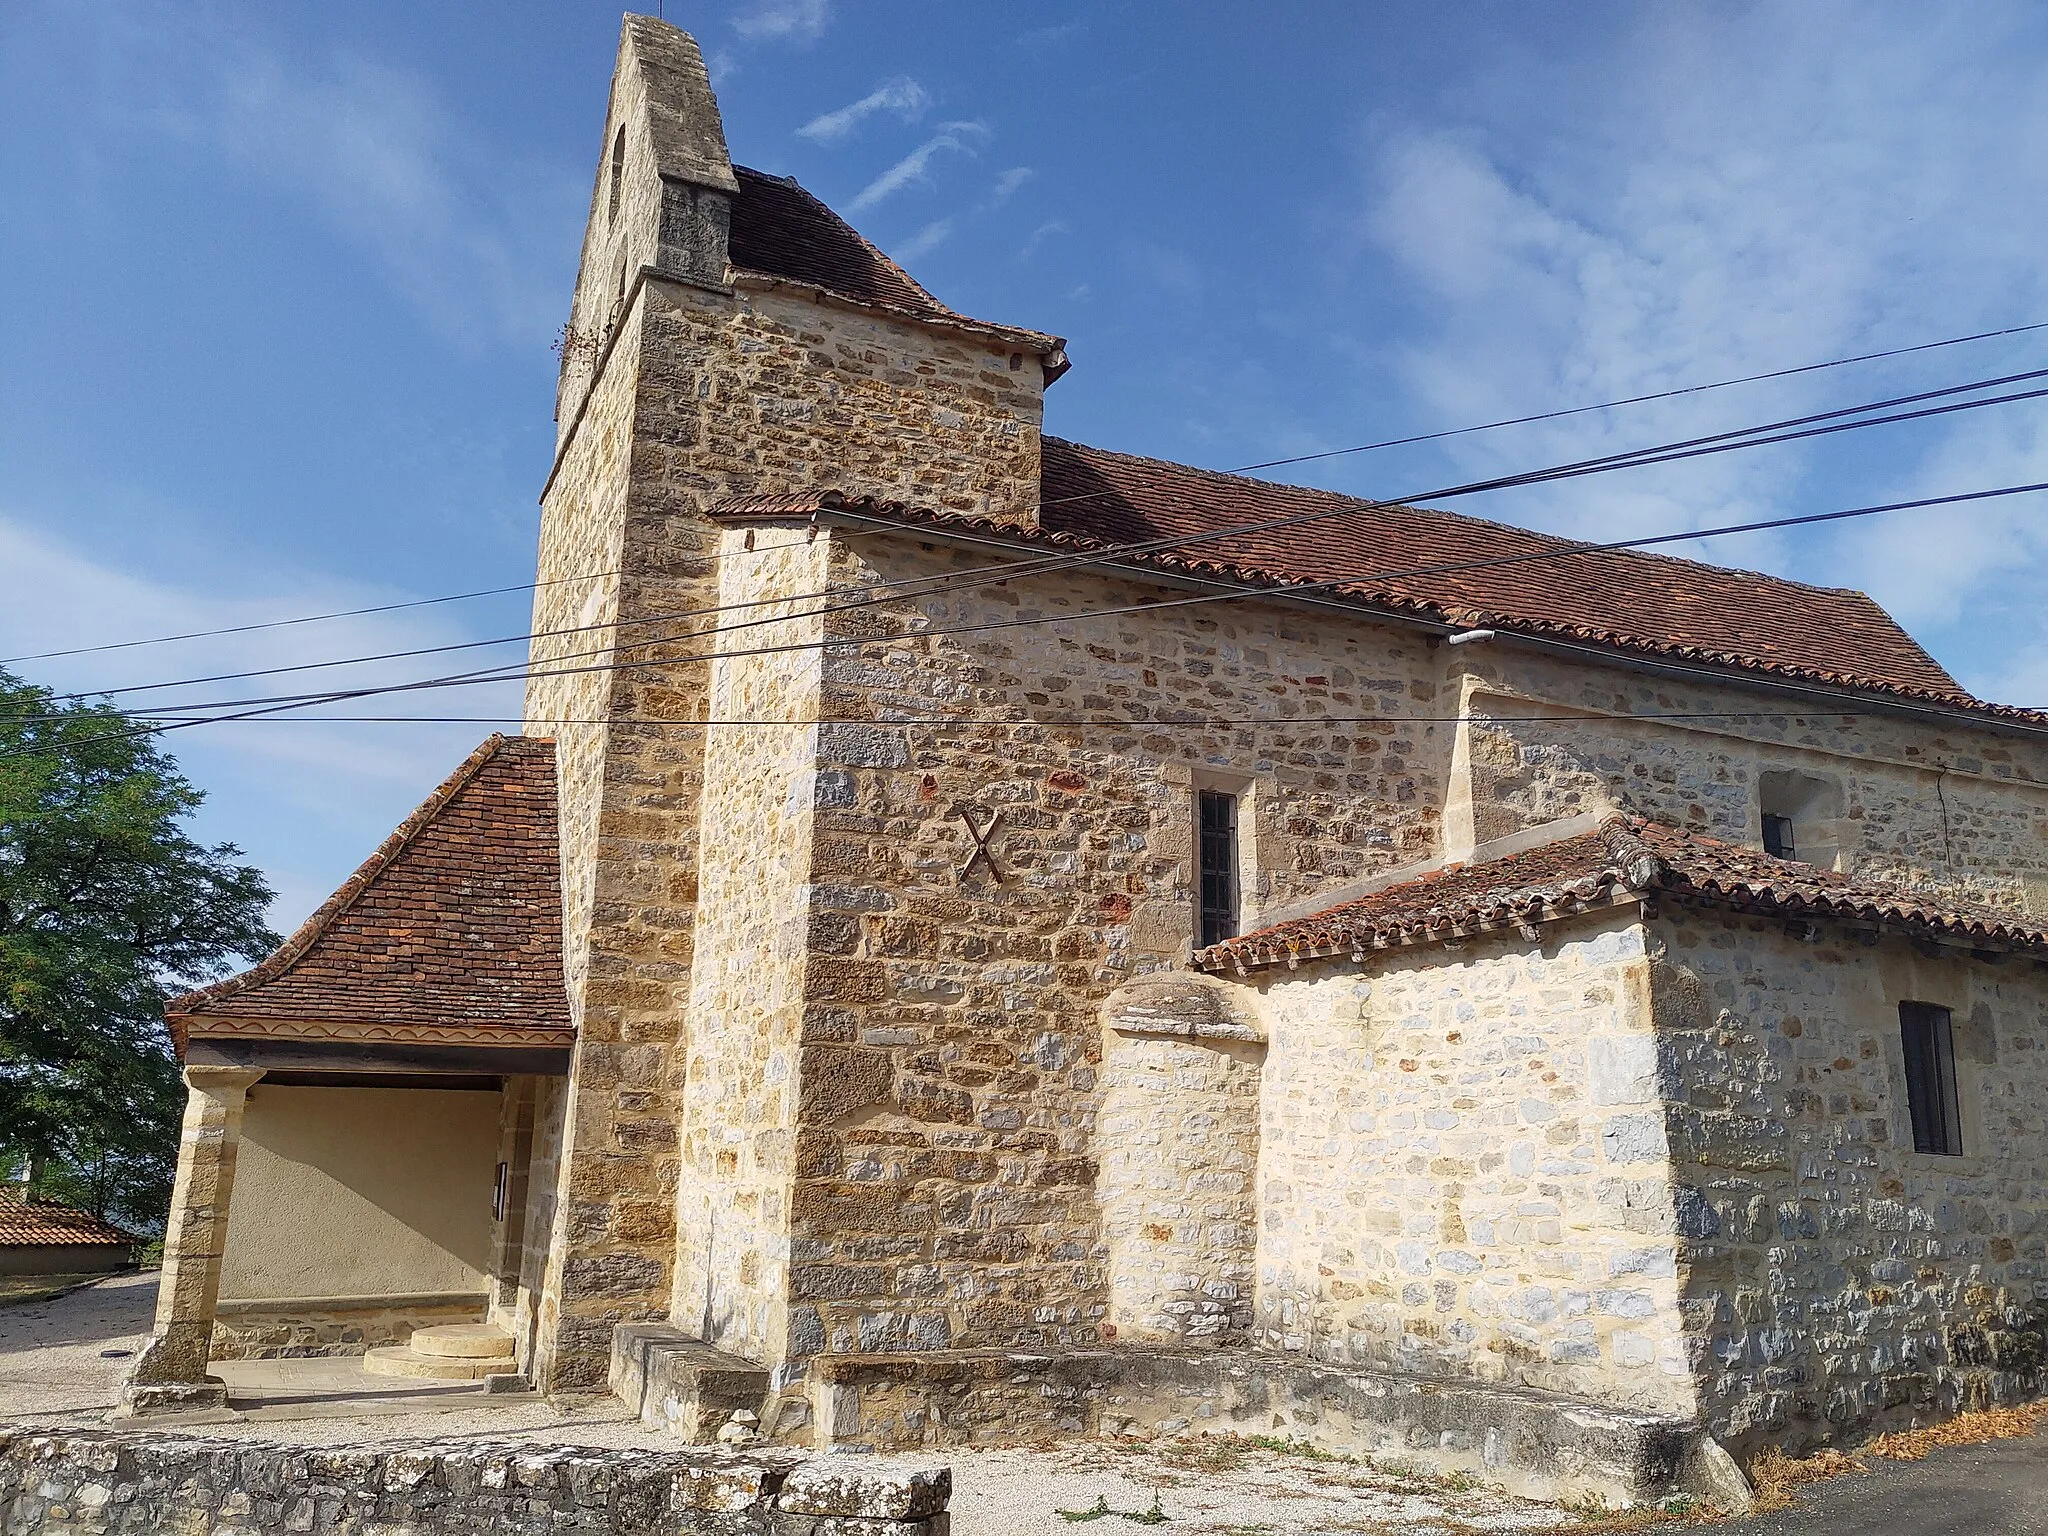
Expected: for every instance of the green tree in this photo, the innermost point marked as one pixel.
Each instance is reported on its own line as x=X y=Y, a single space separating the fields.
x=107 y=909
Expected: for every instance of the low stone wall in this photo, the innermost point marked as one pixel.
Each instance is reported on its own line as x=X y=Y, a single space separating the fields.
x=279 y=1329
x=1532 y=1443
x=88 y=1484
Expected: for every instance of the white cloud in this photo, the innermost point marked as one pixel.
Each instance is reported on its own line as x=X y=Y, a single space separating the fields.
x=1747 y=188
x=952 y=138
x=1040 y=235
x=306 y=801
x=929 y=238
x=466 y=237
x=1164 y=267
x=902 y=96
x=1046 y=37
x=1007 y=184
x=471 y=238
x=1928 y=567
x=777 y=20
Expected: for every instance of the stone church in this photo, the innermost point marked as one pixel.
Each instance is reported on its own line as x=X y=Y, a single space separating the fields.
x=983 y=937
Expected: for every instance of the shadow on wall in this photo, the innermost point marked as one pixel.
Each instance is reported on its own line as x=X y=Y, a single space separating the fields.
x=1835 y=1281
x=362 y=1192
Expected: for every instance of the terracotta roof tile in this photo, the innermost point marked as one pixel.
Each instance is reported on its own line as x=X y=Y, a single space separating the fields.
x=1623 y=858
x=1618 y=597
x=1621 y=600
x=455 y=922
x=51 y=1223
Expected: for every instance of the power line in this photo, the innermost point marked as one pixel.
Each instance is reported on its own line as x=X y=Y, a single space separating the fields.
x=1394 y=442
x=1696 y=448
x=978 y=722
x=261 y=708
x=1667 y=394
x=340 y=613
x=1692 y=447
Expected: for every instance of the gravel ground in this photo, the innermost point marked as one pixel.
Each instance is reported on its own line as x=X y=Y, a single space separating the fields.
x=53 y=1374
x=50 y=1362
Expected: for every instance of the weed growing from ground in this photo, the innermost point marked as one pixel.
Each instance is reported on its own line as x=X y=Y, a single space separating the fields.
x=1100 y=1510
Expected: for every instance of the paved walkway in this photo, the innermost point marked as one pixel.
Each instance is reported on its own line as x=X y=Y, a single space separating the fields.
x=62 y=1362
x=1999 y=1488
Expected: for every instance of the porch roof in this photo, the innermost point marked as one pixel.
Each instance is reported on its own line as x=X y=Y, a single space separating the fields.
x=450 y=934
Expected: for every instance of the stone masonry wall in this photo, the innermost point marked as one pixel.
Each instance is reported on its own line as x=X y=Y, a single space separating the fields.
x=678 y=392
x=746 y=1003
x=1936 y=804
x=958 y=1206
x=628 y=833
x=1462 y=1168
x=521 y=1316
x=1179 y=1155
x=242 y=1332
x=703 y=395
x=109 y=1485
x=1833 y=1279
x=766 y=390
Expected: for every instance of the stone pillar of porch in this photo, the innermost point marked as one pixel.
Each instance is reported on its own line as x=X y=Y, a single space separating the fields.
x=171 y=1372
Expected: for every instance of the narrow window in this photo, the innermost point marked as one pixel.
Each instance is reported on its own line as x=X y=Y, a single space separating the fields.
x=618 y=173
x=1931 y=1078
x=1219 y=866
x=1778 y=842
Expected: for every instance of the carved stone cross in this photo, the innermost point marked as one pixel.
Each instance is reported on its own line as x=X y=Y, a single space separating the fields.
x=982 y=835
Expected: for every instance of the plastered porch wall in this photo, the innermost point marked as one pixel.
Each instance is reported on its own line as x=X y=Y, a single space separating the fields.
x=361 y=1192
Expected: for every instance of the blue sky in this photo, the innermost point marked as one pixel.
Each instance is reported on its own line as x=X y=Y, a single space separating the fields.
x=280 y=284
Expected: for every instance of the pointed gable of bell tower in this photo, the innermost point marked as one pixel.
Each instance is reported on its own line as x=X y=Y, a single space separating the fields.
x=662 y=198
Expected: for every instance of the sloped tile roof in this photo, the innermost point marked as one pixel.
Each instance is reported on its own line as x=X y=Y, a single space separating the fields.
x=46 y=1223
x=782 y=233
x=780 y=230
x=1624 y=598
x=1508 y=578
x=1512 y=579
x=454 y=924
x=1625 y=857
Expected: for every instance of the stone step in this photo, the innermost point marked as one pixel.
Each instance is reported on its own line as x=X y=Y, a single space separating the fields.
x=465 y=1341
x=398 y=1360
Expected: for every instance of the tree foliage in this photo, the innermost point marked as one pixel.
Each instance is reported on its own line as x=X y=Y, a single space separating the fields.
x=107 y=909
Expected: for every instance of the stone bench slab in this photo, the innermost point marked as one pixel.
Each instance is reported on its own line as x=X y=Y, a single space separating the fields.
x=681 y=1384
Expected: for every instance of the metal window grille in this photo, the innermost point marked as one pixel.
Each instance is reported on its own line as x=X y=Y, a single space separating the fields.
x=1929 y=1043
x=1218 y=839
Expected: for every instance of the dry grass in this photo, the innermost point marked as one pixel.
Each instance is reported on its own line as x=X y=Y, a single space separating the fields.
x=1776 y=1475
x=1964 y=1429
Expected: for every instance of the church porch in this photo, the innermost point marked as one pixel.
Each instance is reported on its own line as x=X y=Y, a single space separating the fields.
x=355 y=1166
